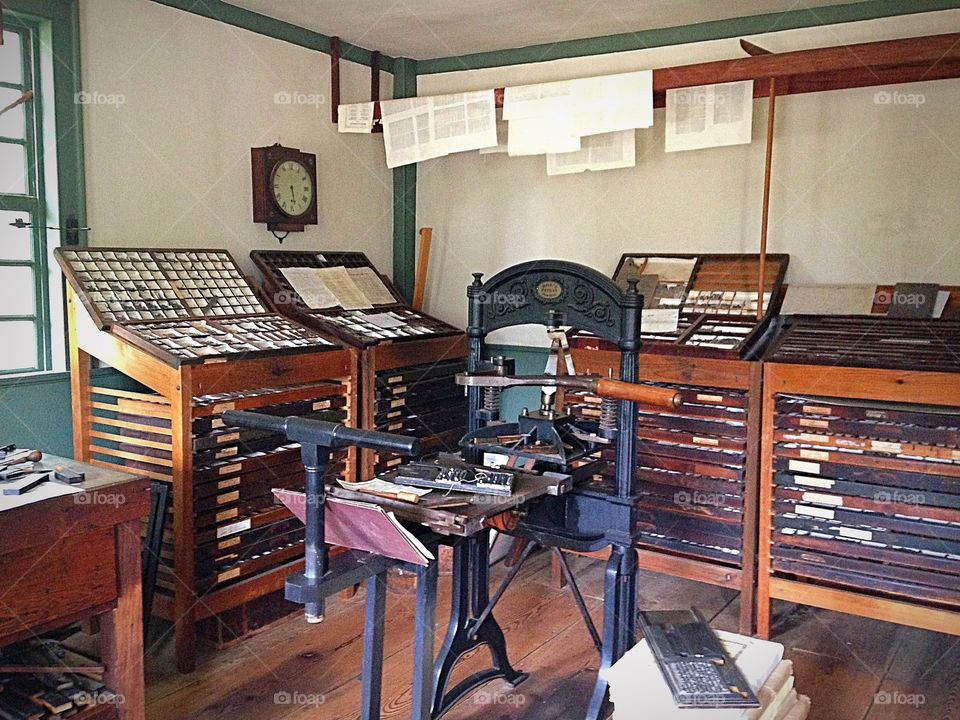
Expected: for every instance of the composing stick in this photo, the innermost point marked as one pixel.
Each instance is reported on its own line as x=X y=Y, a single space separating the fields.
x=26 y=484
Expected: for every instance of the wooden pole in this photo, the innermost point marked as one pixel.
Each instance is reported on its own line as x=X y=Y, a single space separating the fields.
x=375 y=75
x=423 y=261
x=765 y=220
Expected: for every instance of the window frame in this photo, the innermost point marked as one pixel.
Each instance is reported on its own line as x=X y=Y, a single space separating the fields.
x=58 y=169
x=33 y=201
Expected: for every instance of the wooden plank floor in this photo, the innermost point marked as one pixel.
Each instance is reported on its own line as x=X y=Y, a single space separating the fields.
x=852 y=668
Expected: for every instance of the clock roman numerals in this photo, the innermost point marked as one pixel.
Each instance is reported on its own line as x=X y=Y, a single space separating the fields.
x=292 y=188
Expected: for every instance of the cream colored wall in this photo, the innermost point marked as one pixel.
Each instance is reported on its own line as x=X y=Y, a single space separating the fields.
x=862 y=192
x=170 y=166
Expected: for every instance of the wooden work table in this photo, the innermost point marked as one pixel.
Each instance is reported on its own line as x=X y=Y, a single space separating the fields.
x=75 y=557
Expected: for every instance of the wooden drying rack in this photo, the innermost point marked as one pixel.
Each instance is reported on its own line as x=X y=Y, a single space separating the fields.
x=886 y=62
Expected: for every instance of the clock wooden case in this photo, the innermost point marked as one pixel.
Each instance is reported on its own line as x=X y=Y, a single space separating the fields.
x=284 y=188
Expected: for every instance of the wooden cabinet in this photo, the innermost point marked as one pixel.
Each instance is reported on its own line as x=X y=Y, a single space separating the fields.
x=407 y=359
x=859 y=502
x=202 y=346
x=76 y=557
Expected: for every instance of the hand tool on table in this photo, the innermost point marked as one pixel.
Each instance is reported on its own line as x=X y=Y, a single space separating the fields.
x=16 y=457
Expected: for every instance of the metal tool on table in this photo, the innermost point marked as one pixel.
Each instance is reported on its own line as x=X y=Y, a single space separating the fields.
x=25 y=483
x=68 y=475
x=441 y=474
x=16 y=464
x=13 y=456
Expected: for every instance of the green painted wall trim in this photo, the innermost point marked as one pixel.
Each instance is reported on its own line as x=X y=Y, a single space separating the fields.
x=404 y=193
x=699 y=32
x=278 y=29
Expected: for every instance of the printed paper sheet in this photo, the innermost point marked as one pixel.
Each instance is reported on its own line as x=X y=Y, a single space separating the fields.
x=597 y=152
x=709 y=116
x=417 y=129
x=545 y=118
x=311 y=289
x=536 y=136
x=370 y=284
x=339 y=282
x=355 y=118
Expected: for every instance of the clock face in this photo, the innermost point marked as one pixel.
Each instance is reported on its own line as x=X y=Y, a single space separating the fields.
x=291 y=187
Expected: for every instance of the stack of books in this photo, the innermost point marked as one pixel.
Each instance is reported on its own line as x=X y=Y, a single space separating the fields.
x=637 y=685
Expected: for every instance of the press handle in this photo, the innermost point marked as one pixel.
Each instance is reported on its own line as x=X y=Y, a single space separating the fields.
x=619 y=390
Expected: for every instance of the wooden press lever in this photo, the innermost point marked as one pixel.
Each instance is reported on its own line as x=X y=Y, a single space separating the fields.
x=602 y=387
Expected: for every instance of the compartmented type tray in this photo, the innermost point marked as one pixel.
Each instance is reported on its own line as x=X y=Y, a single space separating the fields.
x=717 y=303
x=354 y=327
x=184 y=307
x=119 y=285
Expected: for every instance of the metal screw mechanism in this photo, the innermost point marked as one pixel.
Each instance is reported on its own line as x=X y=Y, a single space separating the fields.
x=610 y=410
x=491 y=399
x=608 y=414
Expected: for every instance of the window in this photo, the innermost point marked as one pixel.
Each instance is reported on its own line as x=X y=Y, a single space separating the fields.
x=27 y=333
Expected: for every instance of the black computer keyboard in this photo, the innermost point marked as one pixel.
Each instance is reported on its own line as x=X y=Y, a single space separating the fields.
x=694 y=663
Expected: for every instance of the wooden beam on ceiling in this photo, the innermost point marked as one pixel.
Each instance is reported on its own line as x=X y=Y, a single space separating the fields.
x=887 y=62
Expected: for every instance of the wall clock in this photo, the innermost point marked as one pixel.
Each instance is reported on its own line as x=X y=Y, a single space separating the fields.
x=284 y=188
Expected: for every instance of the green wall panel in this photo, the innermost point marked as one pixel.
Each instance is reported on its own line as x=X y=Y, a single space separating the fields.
x=35 y=411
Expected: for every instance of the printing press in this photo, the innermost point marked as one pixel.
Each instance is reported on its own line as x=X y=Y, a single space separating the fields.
x=554 y=501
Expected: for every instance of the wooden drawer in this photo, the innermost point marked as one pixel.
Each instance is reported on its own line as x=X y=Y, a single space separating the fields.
x=282 y=370
x=73 y=575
